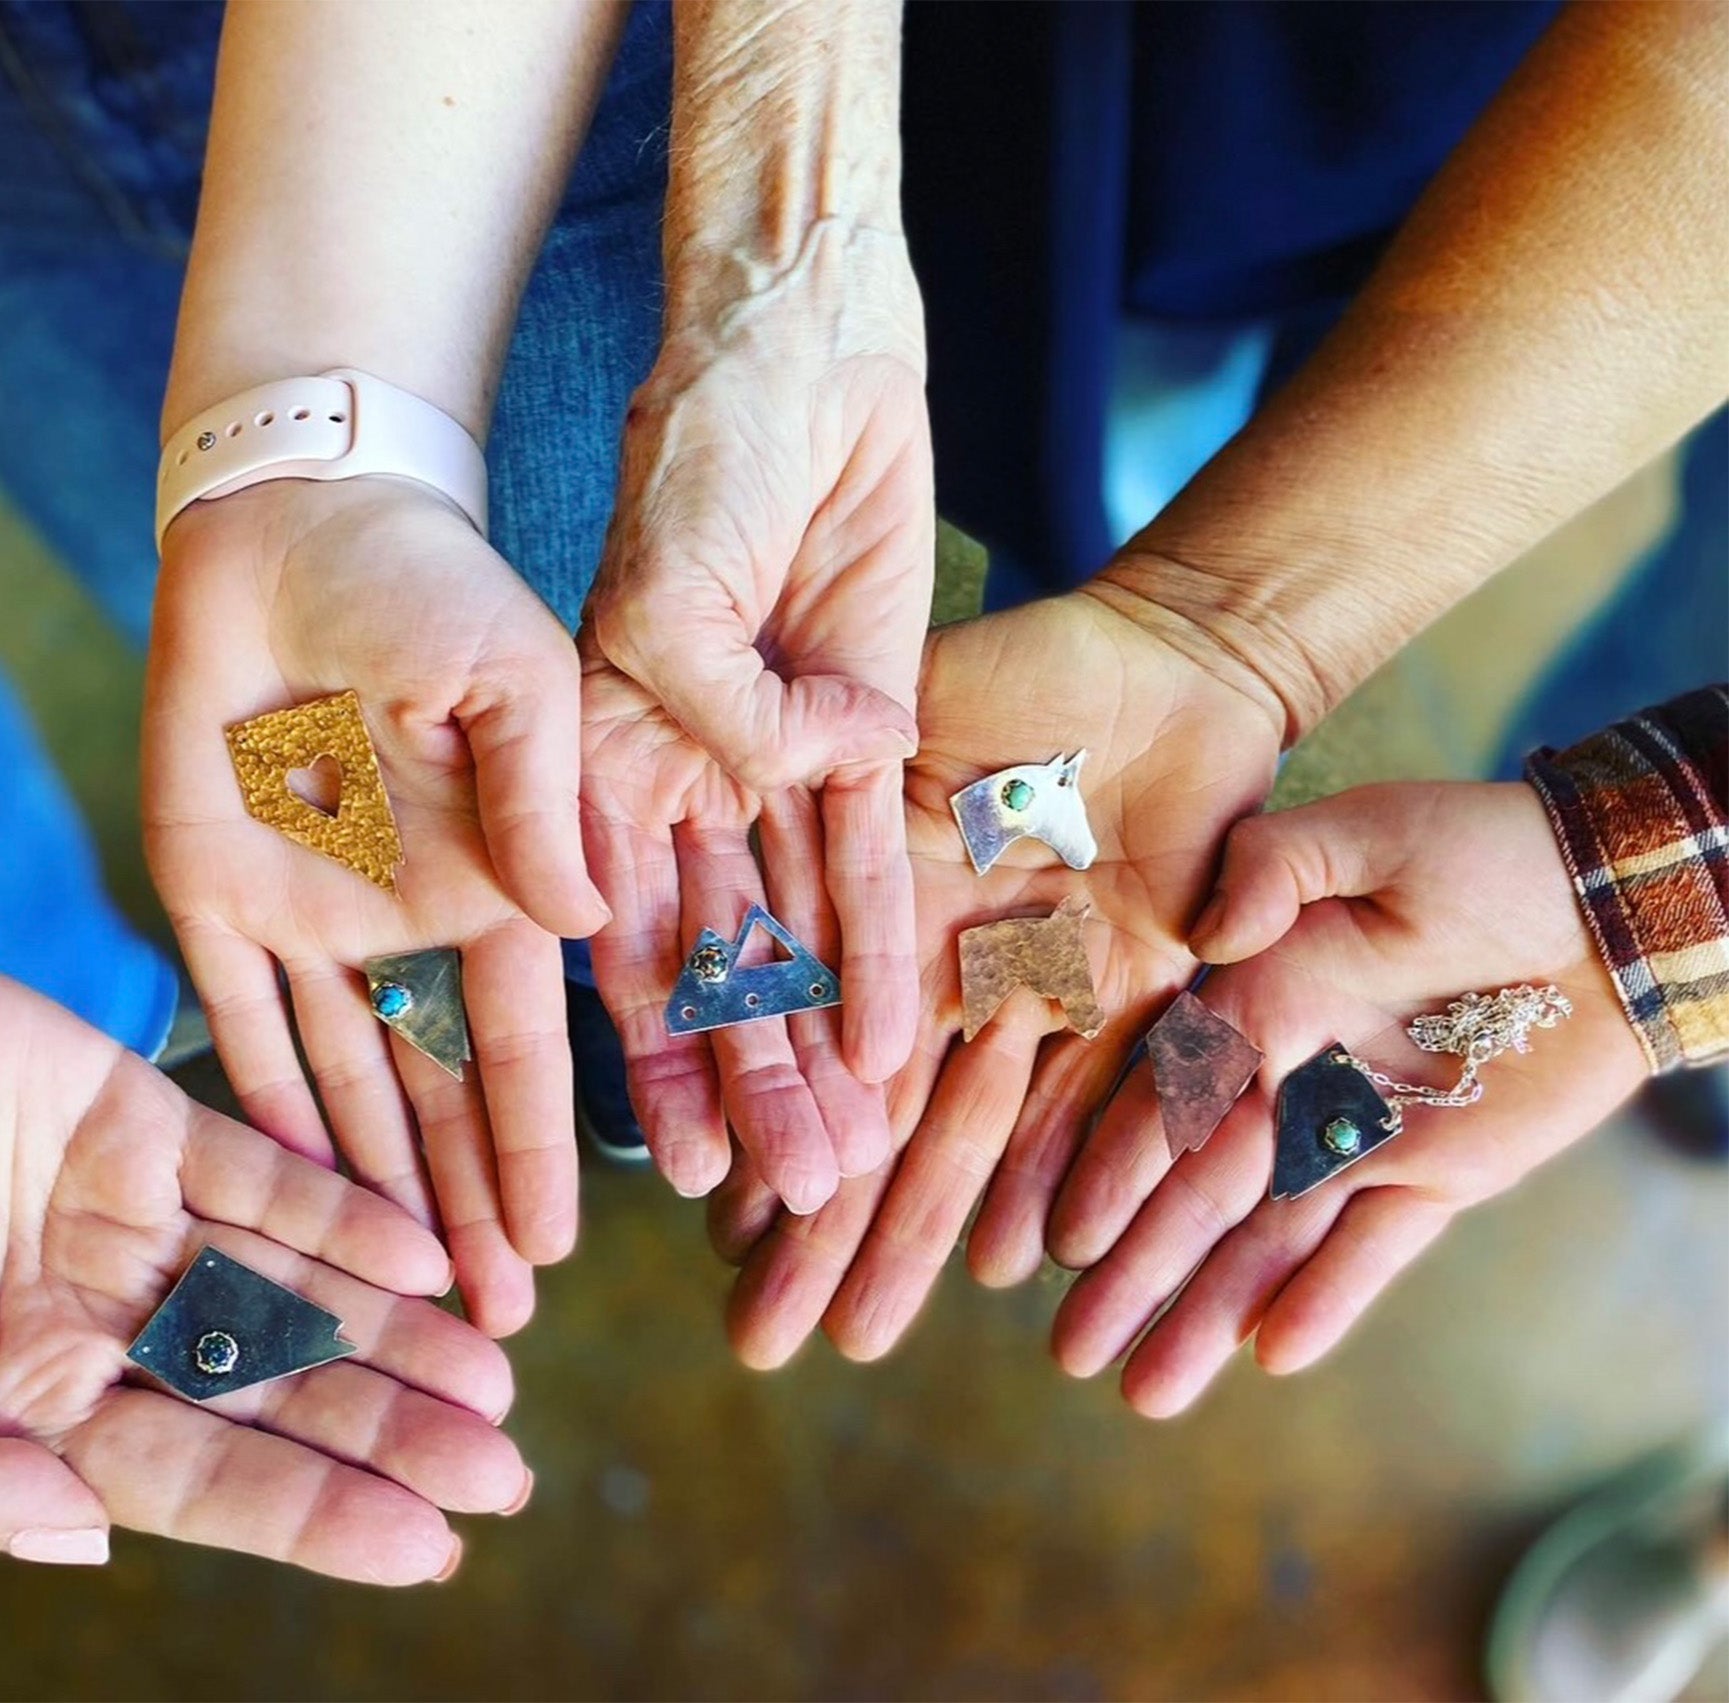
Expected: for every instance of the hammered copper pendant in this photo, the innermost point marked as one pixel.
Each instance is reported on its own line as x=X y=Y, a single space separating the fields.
x=1046 y=954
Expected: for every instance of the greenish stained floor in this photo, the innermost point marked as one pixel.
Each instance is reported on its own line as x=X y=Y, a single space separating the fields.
x=961 y=1521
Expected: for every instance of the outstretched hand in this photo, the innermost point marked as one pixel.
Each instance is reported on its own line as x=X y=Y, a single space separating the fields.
x=1338 y=921
x=1178 y=749
x=755 y=632
x=110 y=1179
x=471 y=692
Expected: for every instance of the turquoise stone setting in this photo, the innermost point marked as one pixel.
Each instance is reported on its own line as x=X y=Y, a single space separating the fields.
x=1017 y=795
x=391 y=999
x=217 y=1354
x=1341 y=1136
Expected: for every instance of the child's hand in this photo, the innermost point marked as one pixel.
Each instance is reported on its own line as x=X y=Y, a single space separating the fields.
x=1365 y=910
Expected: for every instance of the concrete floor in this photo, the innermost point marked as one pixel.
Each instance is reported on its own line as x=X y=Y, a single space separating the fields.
x=962 y=1522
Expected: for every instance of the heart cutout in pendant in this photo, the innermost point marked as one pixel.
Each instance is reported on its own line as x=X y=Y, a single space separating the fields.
x=319 y=784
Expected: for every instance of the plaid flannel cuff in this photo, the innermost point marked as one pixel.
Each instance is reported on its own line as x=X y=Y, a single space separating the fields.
x=1642 y=814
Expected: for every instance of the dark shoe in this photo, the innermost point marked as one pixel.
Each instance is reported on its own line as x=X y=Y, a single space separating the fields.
x=603 y=1109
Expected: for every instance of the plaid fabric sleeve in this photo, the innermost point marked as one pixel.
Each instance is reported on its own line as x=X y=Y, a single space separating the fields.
x=1640 y=810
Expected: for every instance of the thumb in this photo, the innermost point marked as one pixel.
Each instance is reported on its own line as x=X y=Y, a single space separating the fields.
x=1340 y=847
x=765 y=731
x=523 y=722
x=47 y=1512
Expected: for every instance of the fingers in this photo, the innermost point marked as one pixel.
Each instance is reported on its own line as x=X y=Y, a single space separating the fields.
x=1275 y=864
x=768 y=1102
x=242 y=999
x=793 y=1272
x=870 y=882
x=1223 y=1304
x=234 y=1175
x=1120 y=1165
x=47 y=1512
x=524 y=729
x=674 y=1086
x=941 y=1175
x=853 y=1111
x=1194 y=1206
x=685 y=642
x=349 y=1051
x=1379 y=1233
x=513 y=985
x=1007 y=1244
x=166 y=1467
x=496 y=1282
x=741 y=1211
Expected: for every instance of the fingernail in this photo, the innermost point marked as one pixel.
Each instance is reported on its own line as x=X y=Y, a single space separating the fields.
x=521 y=1501
x=1212 y=914
x=449 y=1282
x=452 y=1564
x=85 y=1547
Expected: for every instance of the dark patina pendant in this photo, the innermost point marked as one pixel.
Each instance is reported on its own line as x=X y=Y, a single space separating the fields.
x=1330 y=1116
x=224 y=1327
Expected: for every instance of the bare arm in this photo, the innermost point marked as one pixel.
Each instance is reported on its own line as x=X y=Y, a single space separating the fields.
x=380 y=177
x=1553 y=315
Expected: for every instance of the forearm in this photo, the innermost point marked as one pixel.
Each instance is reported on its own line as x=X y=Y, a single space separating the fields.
x=785 y=162
x=379 y=180
x=1552 y=316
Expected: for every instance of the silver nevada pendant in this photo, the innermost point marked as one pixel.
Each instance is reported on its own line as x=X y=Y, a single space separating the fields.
x=1040 y=801
x=419 y=995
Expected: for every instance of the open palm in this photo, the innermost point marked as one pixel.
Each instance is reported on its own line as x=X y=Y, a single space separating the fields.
x=110 y=1179
x=1175 y=755
x=1418 y=893
x=470 y=690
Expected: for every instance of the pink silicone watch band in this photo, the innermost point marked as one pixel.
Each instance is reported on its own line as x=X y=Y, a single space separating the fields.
x=336 y=426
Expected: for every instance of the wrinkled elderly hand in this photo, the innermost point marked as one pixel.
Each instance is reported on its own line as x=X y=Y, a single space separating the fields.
x=1178 y=748
x=757 y=627
x=470 y=689
x=110 y=1179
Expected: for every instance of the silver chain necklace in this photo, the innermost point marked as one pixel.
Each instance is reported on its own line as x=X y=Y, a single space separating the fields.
x=1476 y=1028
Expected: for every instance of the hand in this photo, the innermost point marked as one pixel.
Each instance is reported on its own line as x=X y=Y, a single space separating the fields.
x=1179 y=746
x=756 y=627
x=1410 y=896
x=471 y=693
x=110 y=1179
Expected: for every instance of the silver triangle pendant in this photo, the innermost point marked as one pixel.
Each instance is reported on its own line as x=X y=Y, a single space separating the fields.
x=419 y=995
x=225 y=1327
x=714 y=990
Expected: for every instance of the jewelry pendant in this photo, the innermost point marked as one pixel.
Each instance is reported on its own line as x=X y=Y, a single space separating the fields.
x=361 y=833
x=715 y=991
x=1329 y=1117
x=1046 y=954
x=1040 y=801
x=419 y=995
x=225 y=1327
x=1201 y=1064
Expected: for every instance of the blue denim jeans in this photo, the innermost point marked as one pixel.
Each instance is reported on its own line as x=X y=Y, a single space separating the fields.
x=103 y=111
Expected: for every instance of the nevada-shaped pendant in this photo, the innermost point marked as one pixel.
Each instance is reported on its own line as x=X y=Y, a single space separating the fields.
x=1046 y=954
x=1040 y=801
x=419 y=995
x=1330 y=1116
x=225 y=1327
x=1201 y=1065
x=361 y=834
x=714 y=990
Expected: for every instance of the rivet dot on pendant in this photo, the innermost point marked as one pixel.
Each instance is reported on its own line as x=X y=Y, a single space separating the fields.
x=1017 y=794
x=1341 y=1136
x=391 y=999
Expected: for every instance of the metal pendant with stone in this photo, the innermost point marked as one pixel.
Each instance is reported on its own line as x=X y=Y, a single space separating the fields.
x=1330 y=1116
x=419 y=995
x=1040 y=801
x=715 y=990
x=225 y=1327
x=1201 y=1064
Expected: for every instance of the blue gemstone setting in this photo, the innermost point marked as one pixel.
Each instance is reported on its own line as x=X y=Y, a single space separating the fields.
x=391 y=1000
